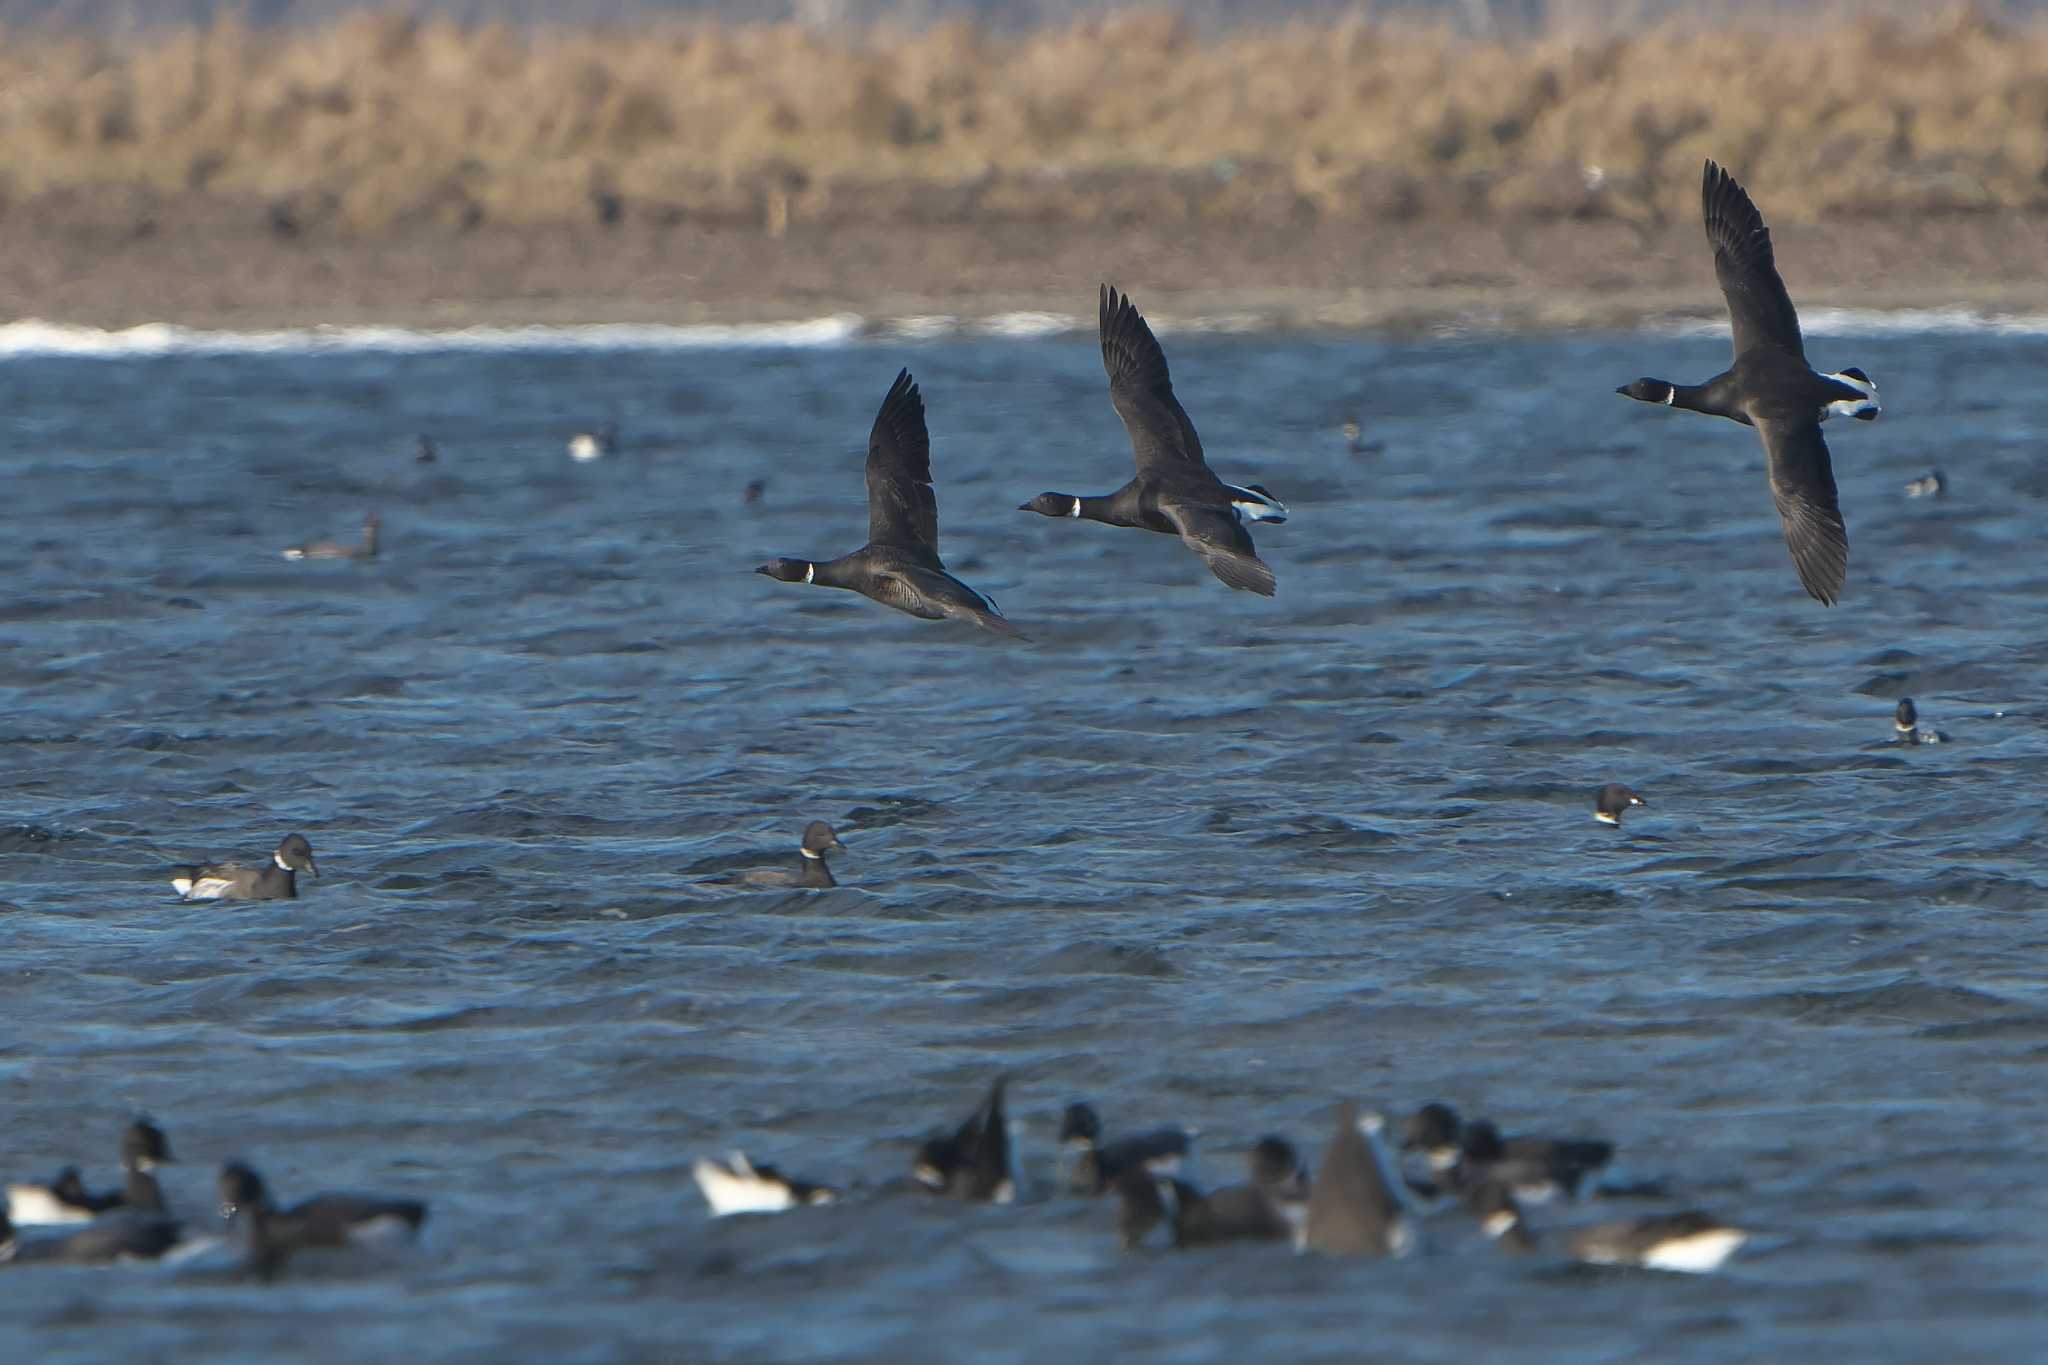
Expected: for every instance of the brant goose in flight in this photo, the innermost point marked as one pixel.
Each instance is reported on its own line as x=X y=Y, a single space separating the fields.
x=1906 y=724
x=900 y=565
x=737 y=1185
x=1356 y=1205
x=1148 y=1202
x=1928 y=485
x=1771 y=387
x=335 y=549
x=66 y=1200
x=1693 y=1241
x=1611 y=800
x=1097 y=1165
x=977 y=1162
x=325 y=1221
x=810 y=870
x=1174 y=491
x=586 y=446
x=276 y=880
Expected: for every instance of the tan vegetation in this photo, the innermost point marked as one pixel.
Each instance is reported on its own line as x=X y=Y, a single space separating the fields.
x=385 y=123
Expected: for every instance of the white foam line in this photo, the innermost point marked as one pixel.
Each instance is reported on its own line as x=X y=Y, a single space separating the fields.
x=1856 y=322
x=33 y=337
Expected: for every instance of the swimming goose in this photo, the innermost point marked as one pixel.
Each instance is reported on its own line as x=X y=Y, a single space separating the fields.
x=335 y=549
x=1097 y=1165
x=586 y=446
x=1694 y=1242
x=66 y=1200
x=275 y=880
x=900 y=565
x=1906 y=726
x=1149 y=1202
x=976 y=1162
x=1174 y=491
x=271 y=1235
x=1771 y=387
x=737 y=1185
x=1357 y=1205
x=121 y=1236
x=1613 y=799
x=811 y=871
x=1451 y=1146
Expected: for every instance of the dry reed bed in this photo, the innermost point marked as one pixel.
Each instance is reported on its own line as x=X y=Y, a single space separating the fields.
x=384 y=123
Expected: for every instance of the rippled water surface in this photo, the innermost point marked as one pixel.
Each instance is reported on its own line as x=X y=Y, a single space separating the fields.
x=1201 y=856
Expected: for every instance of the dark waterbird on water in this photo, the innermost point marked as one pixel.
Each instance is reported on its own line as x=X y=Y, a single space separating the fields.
x=66 y=1199
x=900 y=565
x=1772 y=387
x=276 y=880
x=1097 y=1164
x=810 y=871
x=976 y=1162
x=1612 y=801
x=270 y=1235
x=1174 y=491
x=341 y=549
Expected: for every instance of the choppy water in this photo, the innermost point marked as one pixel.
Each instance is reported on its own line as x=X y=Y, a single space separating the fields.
x=1200 y=856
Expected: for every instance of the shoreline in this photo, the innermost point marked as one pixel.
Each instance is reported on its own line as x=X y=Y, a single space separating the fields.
x=1401 y=280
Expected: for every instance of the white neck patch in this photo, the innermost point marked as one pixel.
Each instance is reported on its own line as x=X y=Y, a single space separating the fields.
x=279 y=860
x=814 y=857
x=810 y=572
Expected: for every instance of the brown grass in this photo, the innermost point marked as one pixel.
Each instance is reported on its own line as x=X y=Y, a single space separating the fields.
x=386 y=124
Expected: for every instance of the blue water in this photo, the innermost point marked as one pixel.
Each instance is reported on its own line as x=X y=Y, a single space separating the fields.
x=1202 y=857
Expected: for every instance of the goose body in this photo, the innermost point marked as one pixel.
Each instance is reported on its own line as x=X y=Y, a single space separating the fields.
x=900 y=565
x=1771 y=387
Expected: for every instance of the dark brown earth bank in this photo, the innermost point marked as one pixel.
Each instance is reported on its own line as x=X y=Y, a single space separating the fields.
x=217 y=269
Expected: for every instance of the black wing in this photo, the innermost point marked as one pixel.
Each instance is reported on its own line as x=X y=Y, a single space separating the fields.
x=1220 y=539
x=1759 y=309
x=1139 y=386
x=1803 y=486
x=902 y=509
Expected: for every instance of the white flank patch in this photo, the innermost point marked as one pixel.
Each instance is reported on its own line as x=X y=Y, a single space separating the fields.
x=1670 y=396
x=1500 y=1224
x=1604 y=818
x=1697 y=1254
x=583 y=447
x=1075 y=511
x=810 y=572
x=1443 y=1158
x=1253 y=506
x=384 y=1231
x=295 y=553
x=1852 y=407
x=29 y=1205
x=735 y=1188
x=206 y=888
x=182 y=885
